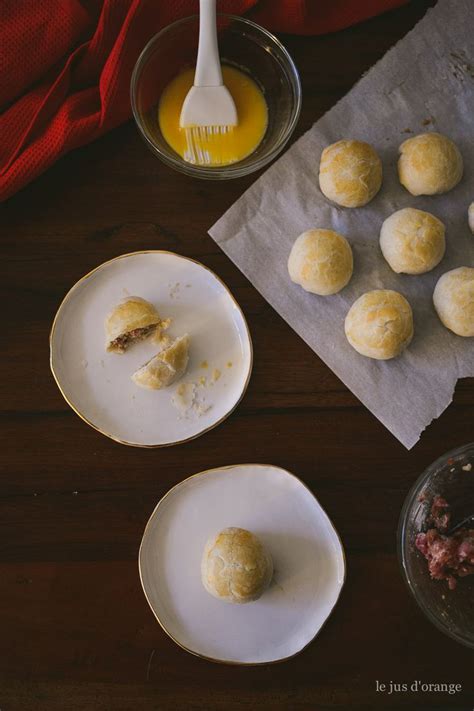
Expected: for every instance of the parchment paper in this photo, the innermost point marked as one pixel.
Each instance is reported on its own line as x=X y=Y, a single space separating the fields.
x=426 y=82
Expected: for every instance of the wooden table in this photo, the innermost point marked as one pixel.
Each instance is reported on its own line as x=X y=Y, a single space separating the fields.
x=76 y=632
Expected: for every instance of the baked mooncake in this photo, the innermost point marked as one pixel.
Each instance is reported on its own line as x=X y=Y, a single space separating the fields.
x=166 y=367
x=350 y=173
x=412 y=241
x=379 y=324
x=453 y=300
x=321 y=262
x=132 y=320
x=429 y=164
x=235 y=566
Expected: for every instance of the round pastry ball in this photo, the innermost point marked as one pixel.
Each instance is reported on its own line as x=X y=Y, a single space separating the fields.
x=470 y=216
x=235 y=566
x=412 y=241
x=379 y=324
x=321 y=262
x=453 y=300
x=429 y=164
x=350 y=173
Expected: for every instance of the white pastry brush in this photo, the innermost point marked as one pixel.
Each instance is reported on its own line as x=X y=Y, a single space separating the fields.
x=208 y=111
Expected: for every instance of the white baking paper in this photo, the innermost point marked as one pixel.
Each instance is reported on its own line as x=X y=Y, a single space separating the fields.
x=425 y=83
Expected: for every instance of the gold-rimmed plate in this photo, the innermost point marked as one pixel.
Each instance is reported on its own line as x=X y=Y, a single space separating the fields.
x=98 y=386
x=307 y=553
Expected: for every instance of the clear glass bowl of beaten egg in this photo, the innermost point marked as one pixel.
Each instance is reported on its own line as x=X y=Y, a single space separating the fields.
x=258 y=72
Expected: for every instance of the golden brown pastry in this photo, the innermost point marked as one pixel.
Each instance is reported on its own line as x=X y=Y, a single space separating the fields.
x=412 y=241
x=350 y=173
x=235 y=566
x=379 y=324
x=166 y=367
x=321 y=262
x=453 y=300
x=132 y=320
x=429 y=164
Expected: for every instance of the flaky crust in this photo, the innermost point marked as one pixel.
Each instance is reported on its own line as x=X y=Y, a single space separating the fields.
x=164 y=368
x=453 y=300
x=350 y=173
x=130 y=314
x=429 y=164
x=379 y=324
x=412 y=241
x=321 y=262
x=235 y=566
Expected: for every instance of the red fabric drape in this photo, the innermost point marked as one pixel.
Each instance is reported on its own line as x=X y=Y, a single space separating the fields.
x=65 y=65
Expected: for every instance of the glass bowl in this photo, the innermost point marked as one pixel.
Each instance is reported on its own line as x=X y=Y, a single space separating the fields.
x=452 y=611
x=242 y=44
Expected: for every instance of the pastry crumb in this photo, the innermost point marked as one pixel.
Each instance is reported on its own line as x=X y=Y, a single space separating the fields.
x=201 y=409
x=204 y=364
x=467 y=467
x=229 y=364
x=202 y=380
x=174 y=291
x=183 y=399
x=186 y=401
x=216 y=374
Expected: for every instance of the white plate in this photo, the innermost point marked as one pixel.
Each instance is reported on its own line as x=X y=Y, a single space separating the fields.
x=97 y=384
x=307 y=554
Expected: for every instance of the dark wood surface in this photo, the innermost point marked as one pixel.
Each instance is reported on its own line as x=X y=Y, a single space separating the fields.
x=75 y=630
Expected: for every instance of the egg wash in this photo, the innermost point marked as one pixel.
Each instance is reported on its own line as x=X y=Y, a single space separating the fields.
x=220 y=148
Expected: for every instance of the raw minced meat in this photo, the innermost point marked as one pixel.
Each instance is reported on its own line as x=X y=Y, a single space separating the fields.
x=449 y=557
x=440 y=515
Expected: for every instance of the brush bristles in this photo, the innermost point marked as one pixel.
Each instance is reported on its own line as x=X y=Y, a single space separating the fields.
x=204 y=145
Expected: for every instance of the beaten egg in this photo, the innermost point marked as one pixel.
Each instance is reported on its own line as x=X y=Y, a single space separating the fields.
x=221 y=149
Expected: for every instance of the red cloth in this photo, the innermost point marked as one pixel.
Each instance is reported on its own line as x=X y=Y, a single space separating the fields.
x=65 y=65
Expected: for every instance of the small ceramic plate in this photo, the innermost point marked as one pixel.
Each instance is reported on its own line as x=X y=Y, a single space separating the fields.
x=307 y=554
x=97 y=384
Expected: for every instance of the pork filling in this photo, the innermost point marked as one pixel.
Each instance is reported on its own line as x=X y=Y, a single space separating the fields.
x=449 y=557
x=122 y=342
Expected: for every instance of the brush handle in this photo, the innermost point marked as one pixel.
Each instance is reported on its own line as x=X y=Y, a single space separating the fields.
x=208 y=66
